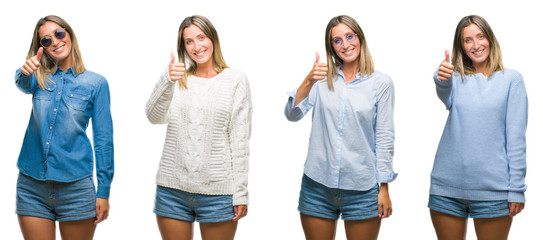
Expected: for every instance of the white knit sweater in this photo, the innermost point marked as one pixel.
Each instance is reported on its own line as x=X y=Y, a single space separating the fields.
x=206 y=150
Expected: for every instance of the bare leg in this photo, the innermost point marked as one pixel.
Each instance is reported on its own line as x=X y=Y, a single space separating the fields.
x=493 y=228
x=173 y=229
x=37 y=228
x=219 y=231
x=77 y=230
x=363 y=229
x=316 y=228
x=449 y=227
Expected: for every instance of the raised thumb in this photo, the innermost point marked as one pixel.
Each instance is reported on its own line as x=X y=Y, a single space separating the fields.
x=173 y=57
x=40 y=52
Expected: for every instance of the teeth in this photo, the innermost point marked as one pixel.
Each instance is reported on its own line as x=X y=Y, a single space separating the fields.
x=59 y=49
x=200 y=53
x=479 y=52
x=347 y=52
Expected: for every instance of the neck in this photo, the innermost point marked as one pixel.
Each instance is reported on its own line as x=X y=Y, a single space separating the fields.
x=66 y=63
x=481 y=68
x=350 y=69
x=205 y=70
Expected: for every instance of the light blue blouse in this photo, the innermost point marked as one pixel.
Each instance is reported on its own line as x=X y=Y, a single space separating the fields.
x=352 y=137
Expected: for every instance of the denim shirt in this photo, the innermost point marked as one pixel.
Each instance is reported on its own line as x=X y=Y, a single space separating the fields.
x=352 y=136
x=56 y=146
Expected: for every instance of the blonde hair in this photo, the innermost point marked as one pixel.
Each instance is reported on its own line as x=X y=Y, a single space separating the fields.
x=461 y=61
x=333 y=60
x=205 y=25
x=48 y=65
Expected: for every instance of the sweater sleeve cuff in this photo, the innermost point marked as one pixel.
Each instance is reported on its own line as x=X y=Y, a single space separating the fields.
x=516 y=197
x=385 y=177
x=240 y=200
x=103 y=192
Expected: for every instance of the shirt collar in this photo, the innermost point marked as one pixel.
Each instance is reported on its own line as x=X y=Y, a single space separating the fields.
x=340 y=73
x=70 y=70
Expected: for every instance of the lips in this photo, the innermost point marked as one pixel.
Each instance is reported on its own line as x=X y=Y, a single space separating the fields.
x=58 y=49
x=200 y=53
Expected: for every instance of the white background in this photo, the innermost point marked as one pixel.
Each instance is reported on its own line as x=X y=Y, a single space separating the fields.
x=274 y=43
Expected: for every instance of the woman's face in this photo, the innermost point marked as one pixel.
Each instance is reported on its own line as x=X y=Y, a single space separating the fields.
x=476 y=45
x=199 y=47
x=60 y=49
x=345 y=43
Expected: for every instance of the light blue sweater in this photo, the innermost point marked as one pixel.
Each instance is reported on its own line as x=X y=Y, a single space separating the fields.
x=482 y=152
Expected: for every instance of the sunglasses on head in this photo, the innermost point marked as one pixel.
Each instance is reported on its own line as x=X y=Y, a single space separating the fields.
x=48 y=40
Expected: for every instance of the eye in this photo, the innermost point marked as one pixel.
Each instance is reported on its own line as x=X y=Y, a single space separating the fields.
x=350 y=37
x=201 y=38
x=337 y=41
x=188 y=42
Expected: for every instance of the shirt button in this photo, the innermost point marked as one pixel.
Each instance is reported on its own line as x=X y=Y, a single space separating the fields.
x=55 y=109
x=47 y=143
x=58 y=93
x=50 y=127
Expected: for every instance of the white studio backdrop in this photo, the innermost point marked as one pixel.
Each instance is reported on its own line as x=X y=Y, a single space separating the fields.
x=274 y=43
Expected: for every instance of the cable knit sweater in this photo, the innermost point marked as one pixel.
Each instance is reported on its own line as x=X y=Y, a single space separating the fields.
x=206 y=150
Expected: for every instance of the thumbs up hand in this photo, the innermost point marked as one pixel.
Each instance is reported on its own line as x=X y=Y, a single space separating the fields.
x=32 y=64
x=318 y=72
x=176 y=70
x=446 y=69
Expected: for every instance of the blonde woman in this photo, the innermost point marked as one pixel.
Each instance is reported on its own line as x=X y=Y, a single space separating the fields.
x=480 y=164
x=349 y=161
x=203 y=171
x=56 y=161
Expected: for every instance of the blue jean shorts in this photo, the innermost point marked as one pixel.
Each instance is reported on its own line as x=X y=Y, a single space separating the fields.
x=181 y=205
x=58 y=201
x=320 y=201
x=468 y=208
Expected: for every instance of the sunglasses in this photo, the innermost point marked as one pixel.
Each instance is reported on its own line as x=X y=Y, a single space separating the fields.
x=351 y=38
x=48 y=40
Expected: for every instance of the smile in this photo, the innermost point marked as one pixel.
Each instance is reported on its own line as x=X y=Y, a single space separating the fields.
x=58 y=49
x=200 y=53
x=479 y=52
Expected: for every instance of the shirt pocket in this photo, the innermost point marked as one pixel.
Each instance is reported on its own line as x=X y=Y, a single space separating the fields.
x=78 y=100
x=44 y=94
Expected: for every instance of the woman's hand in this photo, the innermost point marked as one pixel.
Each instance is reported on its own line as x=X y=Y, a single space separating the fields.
x=102 y=210
x=515 y=208
x=176 y=70
x=32 y=64
x=383 y=201
x=239 y=212
x=318 y=72
x=446 y=68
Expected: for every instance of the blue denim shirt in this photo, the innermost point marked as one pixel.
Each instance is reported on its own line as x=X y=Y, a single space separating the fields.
x=352 y=136
x=56 y=146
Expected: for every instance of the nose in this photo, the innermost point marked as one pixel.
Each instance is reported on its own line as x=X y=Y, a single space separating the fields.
x=476 y=44
x=54 y=41
x=344 y=43
x=196 y=45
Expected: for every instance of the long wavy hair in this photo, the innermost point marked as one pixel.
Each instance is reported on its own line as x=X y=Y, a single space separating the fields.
x=209 y=30
x=48 y=65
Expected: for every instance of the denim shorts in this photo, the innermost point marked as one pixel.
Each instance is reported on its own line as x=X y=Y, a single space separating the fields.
x=58 y=201
x=468 y=208
x=181 y=205
x=320 y=201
